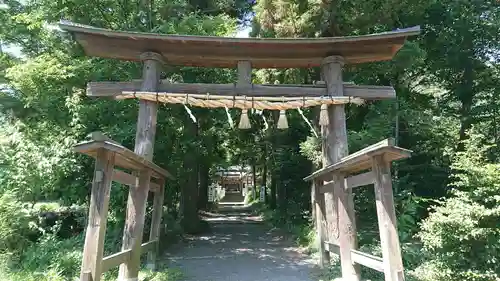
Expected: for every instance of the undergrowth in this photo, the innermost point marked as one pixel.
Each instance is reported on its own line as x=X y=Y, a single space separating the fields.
x=33 y=250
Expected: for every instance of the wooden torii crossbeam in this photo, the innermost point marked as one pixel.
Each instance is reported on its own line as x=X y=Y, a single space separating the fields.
x=116 y=89
x=336 y=211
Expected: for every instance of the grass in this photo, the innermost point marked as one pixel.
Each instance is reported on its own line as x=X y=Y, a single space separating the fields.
x=53 y=259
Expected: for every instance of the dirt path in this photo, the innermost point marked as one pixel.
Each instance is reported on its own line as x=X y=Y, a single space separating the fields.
x=240 y=248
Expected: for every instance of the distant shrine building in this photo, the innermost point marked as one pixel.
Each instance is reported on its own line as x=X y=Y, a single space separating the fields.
x=235 y=180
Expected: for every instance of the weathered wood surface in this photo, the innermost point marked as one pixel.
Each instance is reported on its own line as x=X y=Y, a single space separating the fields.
x=351 y=182
x=207 y=51
x=386 y=214
x=125 y=158
x=361 y=159
x=370 y=261
x=360 y=180
x=313 y=204
x=341 y=213
x=321 y=227
x=144 y=145
x=113 y=89
x=333 y=247
x=358 y=257
x=347 y=228
x=131 y=180
x=244 y=74
x=134 y=225
x=149 y=246
x=115 y=260
x=146 y=122
x=154 y=233
x=98 y=214
x=122 y=257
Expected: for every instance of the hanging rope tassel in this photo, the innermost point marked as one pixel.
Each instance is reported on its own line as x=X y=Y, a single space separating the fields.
x=266 y=126
x=190 y=113
x=261 y=113
x=323 y=115
x=282 y=122
x=229 y=119
x=244 y=121
x=307 y=121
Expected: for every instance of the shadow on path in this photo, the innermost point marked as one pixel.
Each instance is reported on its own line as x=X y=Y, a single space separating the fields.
x=239 y=247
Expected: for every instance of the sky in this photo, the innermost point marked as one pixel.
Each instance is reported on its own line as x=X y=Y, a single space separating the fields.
x=14 y=50
x=243 y=32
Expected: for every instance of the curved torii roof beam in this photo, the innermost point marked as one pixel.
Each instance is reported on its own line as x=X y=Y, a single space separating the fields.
x=209 y=51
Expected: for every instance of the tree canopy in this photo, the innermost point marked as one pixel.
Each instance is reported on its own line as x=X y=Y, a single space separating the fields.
x=446 y=111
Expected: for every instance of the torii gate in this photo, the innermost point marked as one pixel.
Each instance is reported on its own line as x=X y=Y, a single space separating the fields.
x=331 y=192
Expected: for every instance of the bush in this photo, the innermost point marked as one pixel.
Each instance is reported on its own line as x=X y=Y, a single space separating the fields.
x=52 y=254
x=165 y=274
x=249 y=197
x=14 y=224
x=462 y=235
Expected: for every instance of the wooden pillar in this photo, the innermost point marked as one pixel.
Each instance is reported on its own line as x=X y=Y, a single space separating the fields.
x=339 y=204
x=313 y=204
x=321 y=224
x=244 y=74
x=98 y=214
x=391 y=251
x=154 y=233
x=144 y=145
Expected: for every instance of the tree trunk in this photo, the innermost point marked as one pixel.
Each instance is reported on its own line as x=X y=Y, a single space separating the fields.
x=465 y=92
x=264 y=177
x=189 y=194
x=272 y=200
x=204 y=183
x=282 y=201
x=273 y=164
x=254 y=180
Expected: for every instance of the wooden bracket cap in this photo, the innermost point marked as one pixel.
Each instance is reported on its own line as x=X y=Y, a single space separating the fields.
x=152 y=56
x=333 y=59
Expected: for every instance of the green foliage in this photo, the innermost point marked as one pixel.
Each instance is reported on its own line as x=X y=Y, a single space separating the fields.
x=14 y=224
x=165 y=274
x=310 y=149
x=52 y=259
x=249 y=197
x=446 y=81
x=462 y=234
x=61 y=256
x=44 y=112
x=37 y=168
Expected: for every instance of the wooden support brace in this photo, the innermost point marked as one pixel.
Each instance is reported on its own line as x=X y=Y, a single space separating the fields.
x=130 y=180
x=359 y=257
x=98 y=212
x=391 y=251
x=370 y=261
x=124 y=256
x=148 y=246
x=313 y=204
x=115 y=260
x=154 y=233
x=134 y=225
x=347 y=228
x=362 y=159
x=351 y=182
x=321 y=227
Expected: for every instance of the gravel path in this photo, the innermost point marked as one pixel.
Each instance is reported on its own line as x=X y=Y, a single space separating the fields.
x=240 y=248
